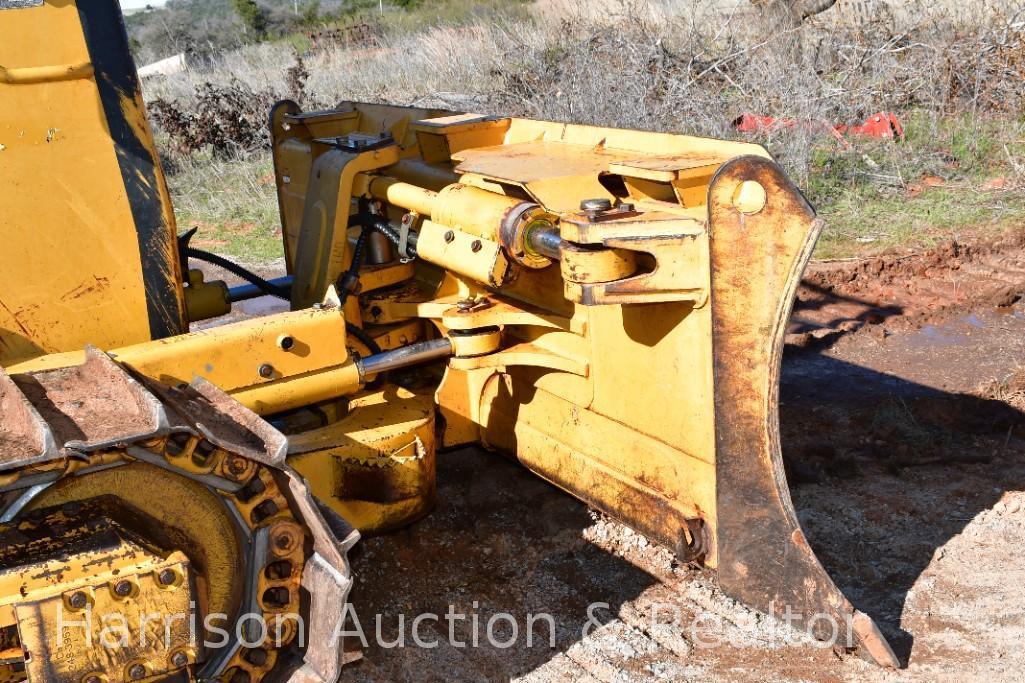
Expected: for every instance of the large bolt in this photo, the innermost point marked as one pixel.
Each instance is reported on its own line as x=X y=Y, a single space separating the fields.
x=166 y=577
x=92 y=678
x=476 y=246
x=179 y=659
x=266 y=370
x=78 y=600
x=237 y=465
x=122 y=589
x=449 y=236
x=136 y=671
x=595 y=205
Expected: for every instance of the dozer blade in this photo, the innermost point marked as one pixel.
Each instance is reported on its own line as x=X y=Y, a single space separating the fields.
x=757 y=259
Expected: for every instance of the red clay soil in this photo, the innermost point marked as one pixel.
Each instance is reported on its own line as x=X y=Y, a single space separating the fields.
x=839 y=297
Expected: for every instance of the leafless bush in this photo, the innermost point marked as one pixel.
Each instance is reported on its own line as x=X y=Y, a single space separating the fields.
x=226 y=119
x=296 y=77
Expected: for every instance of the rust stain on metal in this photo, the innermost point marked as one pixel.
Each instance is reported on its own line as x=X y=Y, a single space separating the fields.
x=92 y=285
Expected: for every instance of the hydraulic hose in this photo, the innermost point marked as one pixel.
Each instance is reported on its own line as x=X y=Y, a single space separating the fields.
x=234 y=268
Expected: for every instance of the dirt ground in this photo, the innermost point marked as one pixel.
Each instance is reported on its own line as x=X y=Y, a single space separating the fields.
x=904 y=438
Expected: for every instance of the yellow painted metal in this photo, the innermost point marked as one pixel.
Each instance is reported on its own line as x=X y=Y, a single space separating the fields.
x=474 y=257
x=671 y=250
x=564 y=367
x=590 y=266
x=476 y=343
x=376 y=465
x=406 y=195
x=71 y=262
x=322 y=247
x=236 y=357
x=473 y=210
x=440 y=136
x=117 y=581
x=206 y=534
x=205 y=299
x=43 y=74
x=605 y=375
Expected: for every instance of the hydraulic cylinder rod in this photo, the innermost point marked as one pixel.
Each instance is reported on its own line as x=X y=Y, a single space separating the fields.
x=404 y=357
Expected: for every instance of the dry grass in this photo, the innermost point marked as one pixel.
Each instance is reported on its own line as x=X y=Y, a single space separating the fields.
x=693 y=68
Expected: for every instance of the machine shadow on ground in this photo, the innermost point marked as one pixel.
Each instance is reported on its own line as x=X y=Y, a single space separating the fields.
x=884 y=472
x=912 y=465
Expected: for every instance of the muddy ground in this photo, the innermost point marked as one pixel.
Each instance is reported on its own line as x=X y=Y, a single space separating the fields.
x=904 y=439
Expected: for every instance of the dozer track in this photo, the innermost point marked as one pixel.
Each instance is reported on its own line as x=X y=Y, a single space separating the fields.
x=119 y=495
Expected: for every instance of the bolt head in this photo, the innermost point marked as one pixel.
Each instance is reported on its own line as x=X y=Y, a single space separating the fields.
x=78 y=600
x=179 y=659
x=166 y=577
x=123 y=589
x=450 y=236
x=136 y=671
x=476 y=246
x=266 y=371
x=92 y=678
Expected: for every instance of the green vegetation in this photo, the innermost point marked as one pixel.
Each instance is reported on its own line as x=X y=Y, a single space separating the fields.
x=252 y=15
x=950 y=175
x=232 y=202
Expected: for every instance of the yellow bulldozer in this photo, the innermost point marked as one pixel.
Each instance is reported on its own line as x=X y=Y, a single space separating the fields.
x=605 y=306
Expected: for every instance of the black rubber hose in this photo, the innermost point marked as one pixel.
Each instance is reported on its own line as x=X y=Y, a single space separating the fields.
x=357 y=251
x=361 y=334
x=376 y=223
x=381 y=225
x=234 y=268
x=349 y=280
